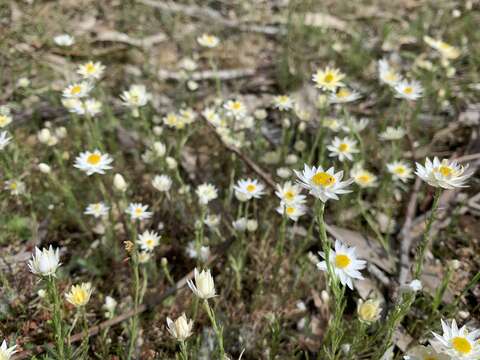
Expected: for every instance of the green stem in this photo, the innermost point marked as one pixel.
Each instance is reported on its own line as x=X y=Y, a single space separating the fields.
x=426 y=235
x=218 y=330
x=57 y=316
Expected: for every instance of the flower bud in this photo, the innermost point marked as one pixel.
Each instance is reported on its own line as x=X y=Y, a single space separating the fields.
x=119 y=183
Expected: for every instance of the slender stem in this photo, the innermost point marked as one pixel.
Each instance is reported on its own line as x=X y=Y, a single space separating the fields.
x=57 y=316
x=218 y=330
x=426 y=235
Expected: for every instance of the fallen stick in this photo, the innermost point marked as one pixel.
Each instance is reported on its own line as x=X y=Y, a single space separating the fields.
x=207 y=14
x=228 y=74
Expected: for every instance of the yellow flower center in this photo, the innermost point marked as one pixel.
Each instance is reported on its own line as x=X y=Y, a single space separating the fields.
x=329 y=77
x=79 y=296
x=391 y=76
x=76 y=89
x=289 y=195
x=323 y=179
x=408 y=90
x=283 y=99
x=13 y=186
x=445 y=170
x=342 y=261
x=343 y=147
x=236 y=105
x=149 y=242
x=399 y=170
x=3 y=120
x=90 y=68
x=94 y=159
x=462 y=345
x=251 y=188
x=138 y=211
x=290 y=210
x=364 y=178
x=342 y=93
x=367 y=311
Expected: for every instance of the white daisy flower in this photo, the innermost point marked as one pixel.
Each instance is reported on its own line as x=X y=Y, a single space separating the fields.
x=343 y=148
x=344 y=95
x=445 y=174
x=206 y=193
x=393 y=133
x=180 y=329
x=4 y=139
x=356 y=126
x=400 y=170
x=240 y=224
x=409 y=90
x=45 y=262
x=93 y=162
x=148 y=241
x=16 y=187
x=92 y=107
x=135 y=97
x=77 y=90
x=7 y=352
x=208 y=41
x=425 y=353
x=344 y=263
x=362 y=177
x=460 y=344
x=173 y=121
x=212 y=220
x=144 y=257
x=283 y=102
x=235 y=108
x=97 y=210
x=187 y=116
x=138 y=211
x=64 y=40
x=415 y=285
x=446 y=50
x=79 y=295
x=293 y=210
x=328 y=79
x=387 y=74
x=73 y=105
x=91 y=70
x=333 y=124
x=204 y=287
x=290 y=193
x=5 y=119
x=323 y=184
x=248 y=189
x=162 y=183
